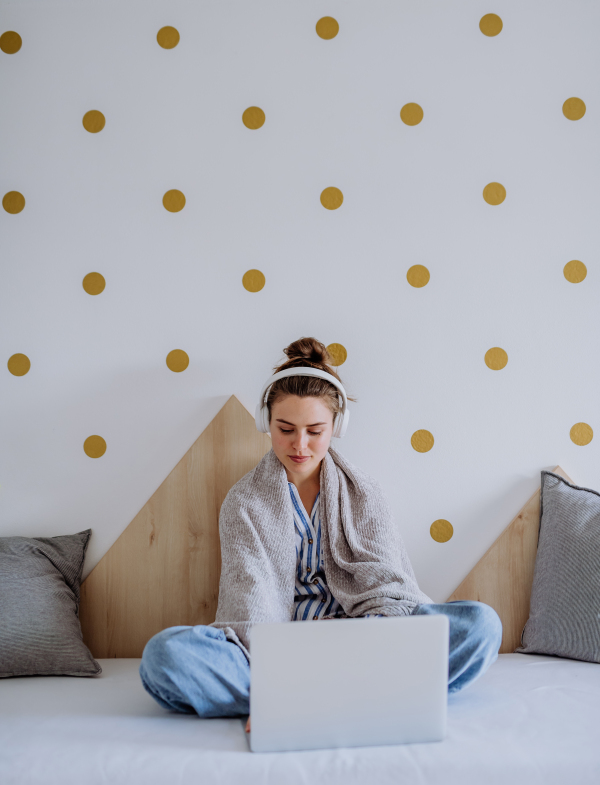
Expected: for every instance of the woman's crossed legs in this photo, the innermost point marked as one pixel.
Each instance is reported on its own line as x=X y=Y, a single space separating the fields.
x=197 y=670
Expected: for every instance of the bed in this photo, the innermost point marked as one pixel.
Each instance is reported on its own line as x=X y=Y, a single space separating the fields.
x=528 y=719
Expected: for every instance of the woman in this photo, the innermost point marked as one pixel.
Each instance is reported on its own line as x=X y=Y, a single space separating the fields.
x=305 y=535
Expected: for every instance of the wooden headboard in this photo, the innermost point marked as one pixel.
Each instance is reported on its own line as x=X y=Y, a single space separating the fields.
x=164 y=568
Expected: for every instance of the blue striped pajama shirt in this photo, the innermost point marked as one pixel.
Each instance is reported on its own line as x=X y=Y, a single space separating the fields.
x=312 y=598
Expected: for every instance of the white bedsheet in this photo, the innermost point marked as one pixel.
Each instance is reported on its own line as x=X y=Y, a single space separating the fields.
x=530 y=719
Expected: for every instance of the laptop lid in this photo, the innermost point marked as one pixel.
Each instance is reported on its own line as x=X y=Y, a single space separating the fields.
x=348 y=682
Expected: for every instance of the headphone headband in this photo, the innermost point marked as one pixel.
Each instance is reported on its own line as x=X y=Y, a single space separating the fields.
x=341 y=419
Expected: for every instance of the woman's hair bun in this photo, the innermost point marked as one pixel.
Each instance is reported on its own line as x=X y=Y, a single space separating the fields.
x=308 y=350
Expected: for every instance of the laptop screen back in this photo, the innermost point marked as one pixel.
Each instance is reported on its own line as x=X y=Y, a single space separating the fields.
x=348 y=682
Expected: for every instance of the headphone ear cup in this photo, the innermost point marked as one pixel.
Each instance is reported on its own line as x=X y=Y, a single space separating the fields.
x=265 y=419
x=336 y=425
x=342 y=423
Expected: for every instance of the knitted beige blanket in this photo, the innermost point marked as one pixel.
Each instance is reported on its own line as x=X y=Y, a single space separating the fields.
x=366 y=565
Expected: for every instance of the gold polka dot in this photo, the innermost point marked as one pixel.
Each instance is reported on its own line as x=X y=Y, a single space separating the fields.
x=338 y=353
x=494 y=193
x=581 y=434
x=332 y=198
x=177 y=360
x=13 y=202
x=94 y=283
x=10 y=42
x=573 y=108
x=94 y=446
x=422 y=441
x=418 y=276
x=253 y=280
x=575 y=271
x=253 y=117
x=496 y=358
x=327 y=27
x=168 y=37
x=411 y=114
x=93 y=121
x=490 y=24
x=174 y=201
x=441 y=530
x=18 y=364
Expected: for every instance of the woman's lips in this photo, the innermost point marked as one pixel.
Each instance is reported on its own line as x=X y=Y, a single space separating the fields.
x=299 y=459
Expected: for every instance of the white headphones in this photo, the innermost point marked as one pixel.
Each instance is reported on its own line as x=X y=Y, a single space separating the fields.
x=340 y=421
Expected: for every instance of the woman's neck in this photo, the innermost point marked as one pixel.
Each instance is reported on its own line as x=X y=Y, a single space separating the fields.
x=308 y=482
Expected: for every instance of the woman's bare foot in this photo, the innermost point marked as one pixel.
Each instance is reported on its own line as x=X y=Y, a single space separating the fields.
x=248 y=725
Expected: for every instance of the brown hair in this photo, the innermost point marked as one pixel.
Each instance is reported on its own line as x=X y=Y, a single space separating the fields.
x=312 y=353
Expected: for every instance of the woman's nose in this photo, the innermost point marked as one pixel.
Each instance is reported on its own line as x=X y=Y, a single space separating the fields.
x=301 y=441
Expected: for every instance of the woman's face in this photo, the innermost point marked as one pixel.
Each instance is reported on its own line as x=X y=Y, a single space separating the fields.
x=301 y=427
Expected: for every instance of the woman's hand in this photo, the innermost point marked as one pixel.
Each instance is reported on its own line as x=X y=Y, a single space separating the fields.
x=248 y=725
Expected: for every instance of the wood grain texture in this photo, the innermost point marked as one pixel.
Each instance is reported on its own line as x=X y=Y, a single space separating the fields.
x=503 y=576
x=164 y=568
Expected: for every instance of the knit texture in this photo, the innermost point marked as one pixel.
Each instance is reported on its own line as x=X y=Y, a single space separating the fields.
x=365 y=562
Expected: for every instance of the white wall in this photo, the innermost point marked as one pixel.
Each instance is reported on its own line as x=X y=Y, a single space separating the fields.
x=493 y=112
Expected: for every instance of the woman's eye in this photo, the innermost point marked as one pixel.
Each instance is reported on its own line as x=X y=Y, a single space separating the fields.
x=312 y=433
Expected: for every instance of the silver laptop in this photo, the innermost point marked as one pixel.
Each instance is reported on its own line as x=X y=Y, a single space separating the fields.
x=348 y=682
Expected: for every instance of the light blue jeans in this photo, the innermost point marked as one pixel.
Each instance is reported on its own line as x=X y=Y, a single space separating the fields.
x=197 y=670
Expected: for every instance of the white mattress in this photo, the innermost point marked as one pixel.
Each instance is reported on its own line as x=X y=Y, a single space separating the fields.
x=530 y=719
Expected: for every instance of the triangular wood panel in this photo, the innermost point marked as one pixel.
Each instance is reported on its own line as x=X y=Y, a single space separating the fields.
x=164 y=568
x=503 y=576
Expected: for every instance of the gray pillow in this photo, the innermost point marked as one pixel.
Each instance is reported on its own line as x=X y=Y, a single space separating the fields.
x=564 y=614
x=40 y=634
